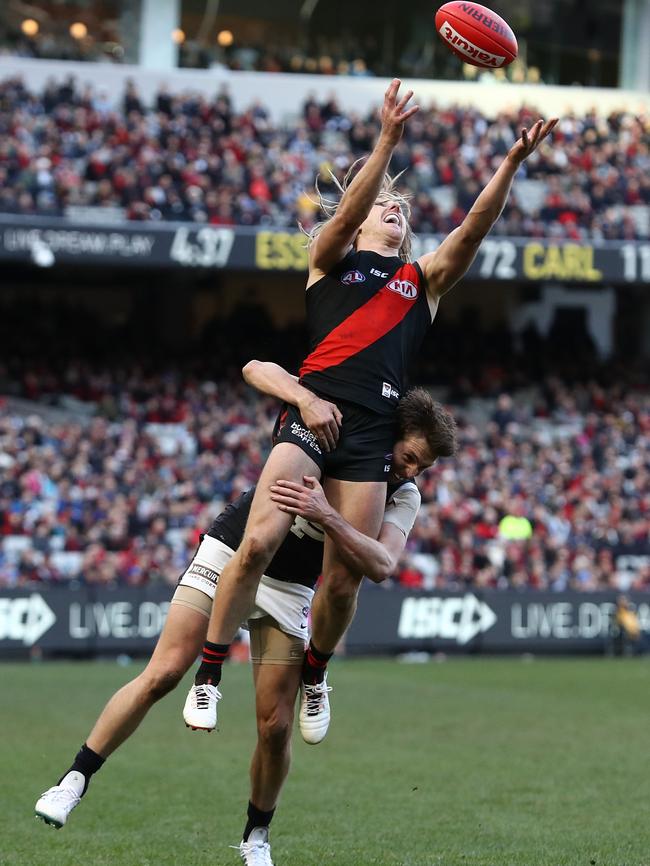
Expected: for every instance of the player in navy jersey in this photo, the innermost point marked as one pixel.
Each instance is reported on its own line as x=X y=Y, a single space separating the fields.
x=277 y=624
x=368 y=309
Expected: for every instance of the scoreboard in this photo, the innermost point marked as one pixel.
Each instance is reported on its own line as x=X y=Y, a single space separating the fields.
x=44 y=242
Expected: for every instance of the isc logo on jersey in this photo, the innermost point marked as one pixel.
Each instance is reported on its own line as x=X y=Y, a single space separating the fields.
x=351 y=277
x=405 y=288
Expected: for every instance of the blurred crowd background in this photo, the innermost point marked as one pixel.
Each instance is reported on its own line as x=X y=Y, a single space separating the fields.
x=129 y=460
x=186 y=157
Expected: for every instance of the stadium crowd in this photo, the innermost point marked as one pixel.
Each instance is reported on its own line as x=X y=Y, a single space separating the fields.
x=550 y=492
x=190 y=158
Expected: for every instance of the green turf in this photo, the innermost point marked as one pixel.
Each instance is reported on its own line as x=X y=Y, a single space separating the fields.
x=468 y=763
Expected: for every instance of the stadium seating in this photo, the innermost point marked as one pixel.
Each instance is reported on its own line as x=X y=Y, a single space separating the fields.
x=190 y=158
x=120 y=497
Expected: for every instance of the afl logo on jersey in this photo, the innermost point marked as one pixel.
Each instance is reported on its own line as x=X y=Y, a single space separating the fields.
x=352 y=277
x=405 y=288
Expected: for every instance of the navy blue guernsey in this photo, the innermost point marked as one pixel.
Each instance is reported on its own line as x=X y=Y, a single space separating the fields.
x=299 y=559
x=367 y=319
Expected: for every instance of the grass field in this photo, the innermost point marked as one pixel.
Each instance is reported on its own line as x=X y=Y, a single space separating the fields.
x=490 y=762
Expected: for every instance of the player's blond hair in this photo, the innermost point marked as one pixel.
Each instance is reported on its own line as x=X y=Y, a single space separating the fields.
x=388 y=192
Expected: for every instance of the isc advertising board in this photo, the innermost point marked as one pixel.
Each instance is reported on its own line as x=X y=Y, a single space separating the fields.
x=488 y=621
x=94 y=621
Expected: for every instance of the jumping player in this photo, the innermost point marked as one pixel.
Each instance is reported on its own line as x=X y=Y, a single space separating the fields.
x=277 y=625
x=368 y=309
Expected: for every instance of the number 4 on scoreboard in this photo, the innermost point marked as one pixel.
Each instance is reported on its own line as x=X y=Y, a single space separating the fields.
x=209 y=249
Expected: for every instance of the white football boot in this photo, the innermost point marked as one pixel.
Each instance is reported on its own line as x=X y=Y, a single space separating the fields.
x=314 y=711
x=57 y=802
x=200 y=710
x=256 y=851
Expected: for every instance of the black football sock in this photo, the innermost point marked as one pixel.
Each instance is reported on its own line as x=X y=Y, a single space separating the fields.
x=256 y=818
x=87 y=763
x=209 y=672
x=314 y=665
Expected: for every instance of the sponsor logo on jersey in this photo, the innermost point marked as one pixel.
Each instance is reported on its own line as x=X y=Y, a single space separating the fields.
x=305 y=435
x=25 y=619
x=405 y=288
x=351 y=277
x=456 y=619
x=468 y=49
x=201 y=573
x=377 y=273
x=389 y=392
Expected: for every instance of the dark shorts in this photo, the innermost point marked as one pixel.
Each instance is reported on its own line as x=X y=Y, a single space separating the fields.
x=365 y=448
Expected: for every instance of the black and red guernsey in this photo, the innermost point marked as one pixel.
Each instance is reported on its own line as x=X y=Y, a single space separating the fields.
x=367 y=319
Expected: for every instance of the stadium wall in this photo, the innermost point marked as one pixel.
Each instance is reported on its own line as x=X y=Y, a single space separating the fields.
x=93 y=620
x=283 y=94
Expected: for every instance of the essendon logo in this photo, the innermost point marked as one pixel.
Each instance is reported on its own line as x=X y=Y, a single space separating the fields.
x=468 y=49
x=405 y=288
x=352 y=277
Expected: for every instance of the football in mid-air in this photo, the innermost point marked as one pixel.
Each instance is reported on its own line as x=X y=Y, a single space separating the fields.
x=476 y=34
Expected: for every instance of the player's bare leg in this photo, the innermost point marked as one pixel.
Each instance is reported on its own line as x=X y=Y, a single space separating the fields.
x=276 y=687
x=266 y=529
x=361 y=504
x=178 y=646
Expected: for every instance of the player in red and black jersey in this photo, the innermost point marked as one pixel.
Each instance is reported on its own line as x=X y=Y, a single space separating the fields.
x=368 y=309
x=278 y=624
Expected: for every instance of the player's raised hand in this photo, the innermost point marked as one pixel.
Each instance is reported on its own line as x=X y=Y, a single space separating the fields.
x=394 y=112
x=308 y=499
x=531 y=139
x=323 y=419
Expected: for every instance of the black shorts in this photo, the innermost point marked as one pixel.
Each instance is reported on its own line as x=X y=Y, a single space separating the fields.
x=365 y=448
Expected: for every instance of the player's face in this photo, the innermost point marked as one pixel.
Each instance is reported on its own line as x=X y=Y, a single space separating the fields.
x=411 y=456
x=386 y=223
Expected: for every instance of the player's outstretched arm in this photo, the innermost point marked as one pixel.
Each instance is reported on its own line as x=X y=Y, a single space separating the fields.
x=449 y=263
x=338 y=234
x=322 y=417
x=377 y=559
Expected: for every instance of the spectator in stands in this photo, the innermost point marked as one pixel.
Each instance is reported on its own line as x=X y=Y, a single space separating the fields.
x=114 y=493
x=190 y=158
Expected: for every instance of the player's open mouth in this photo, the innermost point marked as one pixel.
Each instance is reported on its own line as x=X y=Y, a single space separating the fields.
x=393 y=219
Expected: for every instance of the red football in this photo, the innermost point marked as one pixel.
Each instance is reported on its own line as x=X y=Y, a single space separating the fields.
x=476 y=34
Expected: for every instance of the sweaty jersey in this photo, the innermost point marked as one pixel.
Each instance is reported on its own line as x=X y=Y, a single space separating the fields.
x=299 y=559
x=367 y=319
